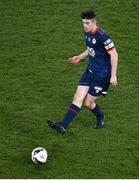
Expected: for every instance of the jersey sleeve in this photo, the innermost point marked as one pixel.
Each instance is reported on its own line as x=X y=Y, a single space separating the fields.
x=107 y=42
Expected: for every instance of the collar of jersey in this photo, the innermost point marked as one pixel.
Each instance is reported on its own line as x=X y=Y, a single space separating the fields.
x=97 y=28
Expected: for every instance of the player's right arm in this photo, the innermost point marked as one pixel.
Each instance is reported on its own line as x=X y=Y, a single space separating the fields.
x=76 y=59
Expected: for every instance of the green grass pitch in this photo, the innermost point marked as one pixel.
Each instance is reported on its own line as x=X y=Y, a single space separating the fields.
x=36 y=83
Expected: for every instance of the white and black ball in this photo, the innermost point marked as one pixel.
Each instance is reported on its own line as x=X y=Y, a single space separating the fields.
x=39 y=155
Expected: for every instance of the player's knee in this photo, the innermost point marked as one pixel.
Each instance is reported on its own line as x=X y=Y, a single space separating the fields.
x=89 y=104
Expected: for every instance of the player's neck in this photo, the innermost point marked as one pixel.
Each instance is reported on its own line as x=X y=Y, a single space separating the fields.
x=94 y=30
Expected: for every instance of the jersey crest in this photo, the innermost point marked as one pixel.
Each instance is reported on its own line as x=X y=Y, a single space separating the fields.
x=94 y=41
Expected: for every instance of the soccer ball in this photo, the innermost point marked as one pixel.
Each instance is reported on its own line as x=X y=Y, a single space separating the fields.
x=39 y=155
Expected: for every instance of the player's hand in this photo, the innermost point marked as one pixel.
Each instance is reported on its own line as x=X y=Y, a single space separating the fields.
x=74 y=59
x=113 y=81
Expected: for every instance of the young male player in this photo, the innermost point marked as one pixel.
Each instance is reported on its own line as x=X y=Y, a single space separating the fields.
x=99 y=74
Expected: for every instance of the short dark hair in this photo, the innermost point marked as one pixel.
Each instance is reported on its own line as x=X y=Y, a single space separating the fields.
x=88 y=15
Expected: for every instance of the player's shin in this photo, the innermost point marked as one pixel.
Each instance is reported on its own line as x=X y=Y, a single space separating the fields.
x=99 y=117
x=70 y=115
x=97 y=111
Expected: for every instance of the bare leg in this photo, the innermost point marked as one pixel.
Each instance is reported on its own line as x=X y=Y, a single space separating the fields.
x=80 y=95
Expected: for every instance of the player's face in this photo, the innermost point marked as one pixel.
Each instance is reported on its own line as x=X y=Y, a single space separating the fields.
x=88 y=24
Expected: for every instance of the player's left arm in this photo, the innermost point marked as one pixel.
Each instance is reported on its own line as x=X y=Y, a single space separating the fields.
x=114 y=62
x=110 y=48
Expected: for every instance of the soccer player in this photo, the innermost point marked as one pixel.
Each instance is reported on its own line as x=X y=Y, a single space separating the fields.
x=99 y=74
